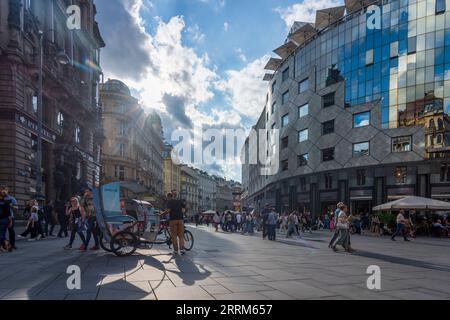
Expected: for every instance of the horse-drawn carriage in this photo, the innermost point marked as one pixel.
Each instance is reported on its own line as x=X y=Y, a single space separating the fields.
x=137 y=225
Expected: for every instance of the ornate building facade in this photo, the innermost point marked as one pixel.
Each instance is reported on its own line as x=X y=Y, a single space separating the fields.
x=133 y=148
x=72 y=132
x=172 y=172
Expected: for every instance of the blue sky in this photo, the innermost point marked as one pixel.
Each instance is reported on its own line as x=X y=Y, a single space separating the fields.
x=198 y=61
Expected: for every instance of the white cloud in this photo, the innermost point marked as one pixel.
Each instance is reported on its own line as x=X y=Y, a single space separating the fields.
x=226 y=25
x=305 y=11
x=245 y=89
x=241 y=55
x=195 y=33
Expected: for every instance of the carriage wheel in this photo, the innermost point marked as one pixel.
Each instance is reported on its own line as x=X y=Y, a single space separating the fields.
x=188 y=240
x=104 y=244
x=124 y=244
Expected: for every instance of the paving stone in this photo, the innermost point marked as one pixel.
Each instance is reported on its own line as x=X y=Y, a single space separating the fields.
x=215 y=289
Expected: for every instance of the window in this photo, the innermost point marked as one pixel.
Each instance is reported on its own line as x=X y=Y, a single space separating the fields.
x=285 y=165
x=361 y=149
x=303 y=160
x=328 y=181
x=361 y=119
x=285 y=98
x=328 y=100
x=77 y=135
x=302 y=184
x=34 y=103
x=440 y=6
x=394 y=49
x=122 y=150
x=303 y=111
x=303 y=135
x=285 y=120
x=284 y=142
x=122 y=108
x=119 y=172
x=400 y=175
x=303 y=86
x=60 y=121
x=285 y=75
x=445 y=172
x=328 y=154
x=122 y=128
x=412 y=45
x=369 y=57
x=328 y=127
x=361 y=177
x=274 y=105
x=401 y=144
x=274 y=84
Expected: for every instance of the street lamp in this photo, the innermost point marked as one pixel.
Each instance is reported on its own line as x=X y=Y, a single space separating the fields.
x=62 y=59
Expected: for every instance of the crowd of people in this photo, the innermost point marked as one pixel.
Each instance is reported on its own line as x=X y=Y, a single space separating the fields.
x=76 y=217
x=339 y=221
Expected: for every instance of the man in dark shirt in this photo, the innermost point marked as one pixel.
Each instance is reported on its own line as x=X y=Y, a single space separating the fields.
x=264 y=214
x=176 y=209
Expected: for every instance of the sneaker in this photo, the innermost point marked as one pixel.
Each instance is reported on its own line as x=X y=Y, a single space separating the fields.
x=175 y=253
x=183 y=252
x=39 y=237
x=32 y=240
x=82 y=248
x=20 y=236
x=393 y=239
x=94 y=248
x=67 y=247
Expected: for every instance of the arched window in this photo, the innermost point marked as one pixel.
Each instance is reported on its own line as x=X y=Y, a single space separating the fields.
x=77 y=134
x=60 y=121
x=440 y=124
x=431 y=125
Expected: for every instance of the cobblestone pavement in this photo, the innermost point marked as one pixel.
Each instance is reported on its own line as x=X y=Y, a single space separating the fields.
x=232 y=266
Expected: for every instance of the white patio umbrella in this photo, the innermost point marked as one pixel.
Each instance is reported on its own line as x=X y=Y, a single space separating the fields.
x=417 y=203
x=209 y=212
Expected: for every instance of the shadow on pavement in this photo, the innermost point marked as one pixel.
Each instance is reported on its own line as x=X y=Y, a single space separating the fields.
x=402 y=261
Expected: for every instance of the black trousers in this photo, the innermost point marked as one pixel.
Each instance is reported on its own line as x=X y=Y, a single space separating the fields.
x=62 y=227
x=264 y=230
x=73 y=231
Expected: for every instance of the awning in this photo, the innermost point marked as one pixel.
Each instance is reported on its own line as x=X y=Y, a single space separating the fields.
x=440 y=196
x=304 y=33
x=286 y=49
x=328 y=16
x=414 y=203
x=273 y=64
x=361 y=198
x=268 y=77
x=355 y=5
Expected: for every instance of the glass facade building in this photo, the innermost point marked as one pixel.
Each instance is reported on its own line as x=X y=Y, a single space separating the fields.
x=366 y=96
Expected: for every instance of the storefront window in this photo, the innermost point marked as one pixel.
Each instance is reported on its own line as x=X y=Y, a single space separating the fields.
x=400 y=175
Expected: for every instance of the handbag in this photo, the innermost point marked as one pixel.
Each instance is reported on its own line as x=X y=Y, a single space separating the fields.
x=341 y=225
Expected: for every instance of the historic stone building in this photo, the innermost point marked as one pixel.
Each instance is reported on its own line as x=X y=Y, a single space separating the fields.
x=72 y=132
x=189 y=189
x=206 y=191
x=362 y=104
x=172 y=172
x=133 y=148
